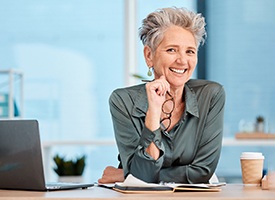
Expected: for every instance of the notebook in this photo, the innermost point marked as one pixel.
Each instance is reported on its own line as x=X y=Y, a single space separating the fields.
x=21 y=165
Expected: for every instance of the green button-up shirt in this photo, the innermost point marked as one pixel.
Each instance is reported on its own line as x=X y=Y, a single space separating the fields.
x=189 y=151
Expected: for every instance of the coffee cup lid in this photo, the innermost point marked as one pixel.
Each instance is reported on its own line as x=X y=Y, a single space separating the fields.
x=252 y=155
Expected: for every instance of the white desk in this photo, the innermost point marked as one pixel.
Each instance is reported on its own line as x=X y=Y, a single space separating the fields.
x=229 y=192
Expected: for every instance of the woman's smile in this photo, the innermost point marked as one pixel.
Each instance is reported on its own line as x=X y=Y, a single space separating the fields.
x=178 y=71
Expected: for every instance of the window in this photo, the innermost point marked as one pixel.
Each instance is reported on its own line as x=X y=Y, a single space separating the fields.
x=239 y=52
x=71 y=54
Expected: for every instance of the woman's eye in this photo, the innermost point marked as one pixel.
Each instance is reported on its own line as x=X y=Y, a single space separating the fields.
x=171 y=50
x=191 y=52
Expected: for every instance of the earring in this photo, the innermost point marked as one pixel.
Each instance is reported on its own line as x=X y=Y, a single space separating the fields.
x=149 y=73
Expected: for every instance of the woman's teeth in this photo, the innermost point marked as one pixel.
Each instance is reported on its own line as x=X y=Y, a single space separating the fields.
x=179 y=71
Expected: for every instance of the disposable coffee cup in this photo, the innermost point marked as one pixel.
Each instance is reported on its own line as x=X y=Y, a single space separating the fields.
x=252 y=168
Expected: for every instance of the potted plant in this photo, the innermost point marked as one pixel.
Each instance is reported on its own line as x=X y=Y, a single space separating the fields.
x=260 y=124
x=69 y=170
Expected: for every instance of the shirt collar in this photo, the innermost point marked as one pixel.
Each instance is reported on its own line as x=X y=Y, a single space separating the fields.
x=191 y=101
x=141 y=103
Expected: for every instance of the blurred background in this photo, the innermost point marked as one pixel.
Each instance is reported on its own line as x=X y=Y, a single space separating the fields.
x=73 y=54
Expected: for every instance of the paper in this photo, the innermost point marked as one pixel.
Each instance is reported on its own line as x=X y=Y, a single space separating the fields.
x=132 y=181
x=135 y=185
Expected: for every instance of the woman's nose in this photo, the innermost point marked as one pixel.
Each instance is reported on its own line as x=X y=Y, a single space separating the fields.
x=181 y=58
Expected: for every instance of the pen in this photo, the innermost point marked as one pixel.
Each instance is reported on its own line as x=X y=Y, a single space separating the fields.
x=147 y=81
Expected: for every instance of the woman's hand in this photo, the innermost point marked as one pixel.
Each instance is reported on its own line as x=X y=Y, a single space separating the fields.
x=111 y=175
x=156 y=91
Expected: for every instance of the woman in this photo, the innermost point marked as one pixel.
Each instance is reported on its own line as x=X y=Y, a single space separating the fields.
x=169 y=129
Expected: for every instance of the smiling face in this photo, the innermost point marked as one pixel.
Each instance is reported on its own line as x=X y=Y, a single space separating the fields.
x=175 y=57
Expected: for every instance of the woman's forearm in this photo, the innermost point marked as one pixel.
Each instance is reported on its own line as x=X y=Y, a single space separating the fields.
x=152 y=124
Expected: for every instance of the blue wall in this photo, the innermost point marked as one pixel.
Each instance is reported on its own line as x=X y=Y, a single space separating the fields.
x=240 y=55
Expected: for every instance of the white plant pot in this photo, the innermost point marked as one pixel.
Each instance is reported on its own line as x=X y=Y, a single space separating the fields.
x=70 y=179
x=260 y=127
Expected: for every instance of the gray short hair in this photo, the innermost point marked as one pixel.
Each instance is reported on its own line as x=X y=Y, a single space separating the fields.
x=155 y=24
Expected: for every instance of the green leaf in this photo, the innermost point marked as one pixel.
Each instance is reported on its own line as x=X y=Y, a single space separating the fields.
x=69 y=167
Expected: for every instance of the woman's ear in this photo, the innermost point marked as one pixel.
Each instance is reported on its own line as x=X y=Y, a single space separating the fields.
x=148 y=55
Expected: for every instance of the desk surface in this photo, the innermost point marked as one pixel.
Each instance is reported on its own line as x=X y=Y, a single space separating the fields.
x=230 y=191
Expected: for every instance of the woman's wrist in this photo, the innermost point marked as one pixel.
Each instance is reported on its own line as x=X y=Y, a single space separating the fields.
x=152 y=120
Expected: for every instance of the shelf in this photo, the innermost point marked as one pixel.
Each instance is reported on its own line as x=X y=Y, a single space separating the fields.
x=254 y=135
x=98 y=142
x=247 y=142
x=111 y=142
x=10 y=108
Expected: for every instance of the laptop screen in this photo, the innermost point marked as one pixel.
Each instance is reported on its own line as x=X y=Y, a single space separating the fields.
x=21 y=164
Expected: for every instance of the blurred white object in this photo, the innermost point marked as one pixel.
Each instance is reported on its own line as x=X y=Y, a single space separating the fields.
x=246 y=126
x=214 y=179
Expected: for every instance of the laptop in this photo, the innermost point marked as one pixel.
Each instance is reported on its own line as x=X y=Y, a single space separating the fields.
x=21 y=165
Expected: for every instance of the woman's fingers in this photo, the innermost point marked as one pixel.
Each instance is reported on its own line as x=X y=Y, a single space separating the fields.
x=159 y=86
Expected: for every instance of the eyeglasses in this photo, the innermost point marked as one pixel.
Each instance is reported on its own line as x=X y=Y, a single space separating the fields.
x=167 y=108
